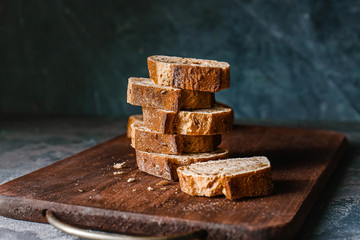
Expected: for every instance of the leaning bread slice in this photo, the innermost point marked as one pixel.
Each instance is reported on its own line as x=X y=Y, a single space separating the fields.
x=143 y=92
x=189 y=73
x=211 y=121
x=149 y=141
x=235 y=178
x=133 y=119
x=165 y=165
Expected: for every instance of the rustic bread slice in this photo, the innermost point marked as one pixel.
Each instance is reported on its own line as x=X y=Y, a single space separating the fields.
x=211 y=121
x=150 y=141
x=235 y=178
x=189 y=73
x=133 y=119
x=165 y=165
x=143 y=92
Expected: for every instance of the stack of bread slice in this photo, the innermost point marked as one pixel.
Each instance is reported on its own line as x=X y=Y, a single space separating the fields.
x=178 y=134
x=181 y=122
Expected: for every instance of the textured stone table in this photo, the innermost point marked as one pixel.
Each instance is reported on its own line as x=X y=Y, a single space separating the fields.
x=29 y=144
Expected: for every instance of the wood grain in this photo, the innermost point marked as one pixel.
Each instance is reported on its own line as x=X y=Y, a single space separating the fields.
x=83 y=190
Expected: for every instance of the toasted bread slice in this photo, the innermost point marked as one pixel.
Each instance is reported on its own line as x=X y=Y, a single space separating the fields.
x=235 y=178
x=150 y=141
x=143 y=92
x=189 y=73
x=211 y=121
x=165 y=165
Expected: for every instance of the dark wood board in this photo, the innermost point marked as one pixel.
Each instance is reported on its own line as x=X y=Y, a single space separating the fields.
x=82 y=190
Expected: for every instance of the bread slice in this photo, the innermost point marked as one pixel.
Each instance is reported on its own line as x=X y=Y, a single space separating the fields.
x=133 y=119
x=211 y=121
x=143 y=92
x=235 y=178
x=189 y=73
x=165 y=165
x=149 y=141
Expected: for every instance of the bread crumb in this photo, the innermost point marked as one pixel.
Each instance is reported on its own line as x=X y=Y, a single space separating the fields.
x=94 y=190
x=76 y=184
x=163 y=188
x=119 y=165
x=118 y=172
x=134 y=190
x=80 y=190
x=150 y=189
x=130 y=180
x=163 y=183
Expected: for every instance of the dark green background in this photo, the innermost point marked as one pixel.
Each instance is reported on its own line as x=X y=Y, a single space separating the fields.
x=289 y=59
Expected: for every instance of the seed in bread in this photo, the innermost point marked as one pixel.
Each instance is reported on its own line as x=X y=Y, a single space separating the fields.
x=132 y=119
x=235 y=178
x=189 y=73
x=165 y=165
x=143 y=92
x=211 y=121
x=150 y=141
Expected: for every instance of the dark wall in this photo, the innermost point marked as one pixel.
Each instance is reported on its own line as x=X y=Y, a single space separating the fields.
x=289 y=59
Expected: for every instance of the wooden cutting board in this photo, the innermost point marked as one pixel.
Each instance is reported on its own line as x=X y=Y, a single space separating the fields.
x=84 y=191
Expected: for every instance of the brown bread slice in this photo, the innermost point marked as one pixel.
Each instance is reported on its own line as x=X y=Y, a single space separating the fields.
x=149 y=141
x=235 y=178
x=211 y=121
x=165 y=165
x=189 y=73
x=133 y=119
x=143 y=92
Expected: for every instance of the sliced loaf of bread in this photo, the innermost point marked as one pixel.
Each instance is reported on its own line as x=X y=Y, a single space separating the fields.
x=211 y=121
x=165 y=165
x=235 y=178
x=150 y=141
x=133 y=119
x=189 y=73
x=143 y=92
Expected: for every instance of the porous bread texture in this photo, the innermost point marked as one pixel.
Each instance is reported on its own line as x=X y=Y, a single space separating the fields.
x=189 y=73
x=165 y=165
x=216 y=120
x=150 y=141
x=133 y=119
x=143 y=92
x=235 y=178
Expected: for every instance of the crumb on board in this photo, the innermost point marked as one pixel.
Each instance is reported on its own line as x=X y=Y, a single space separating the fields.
x=80 y=190
x=119 y=165
x=163 y=188
x=162 y=183
x=130 y=180
x=134 y=190
x=150 y=189
x=118 y=172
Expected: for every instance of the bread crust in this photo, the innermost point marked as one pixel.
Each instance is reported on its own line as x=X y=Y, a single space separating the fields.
x=189 y=73
x=143 y=92
x=133 y=119
x=149 y=141
x=257 y=182
x=165 y=165
x=216 y=120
